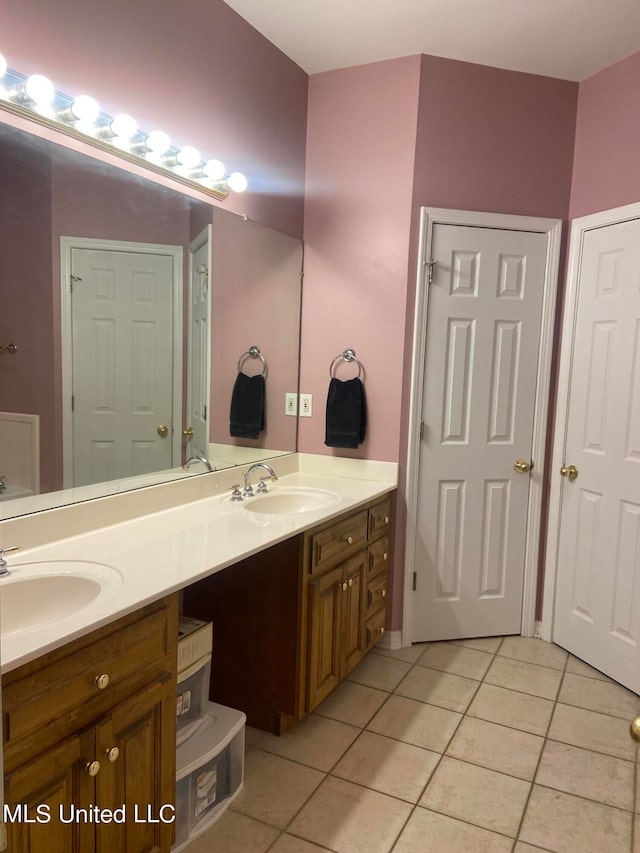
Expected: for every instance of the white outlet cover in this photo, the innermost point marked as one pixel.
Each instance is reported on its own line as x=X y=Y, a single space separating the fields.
x=306 y=405
x=291 y=404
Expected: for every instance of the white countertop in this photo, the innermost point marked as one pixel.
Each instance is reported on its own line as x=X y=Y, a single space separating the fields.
x=162 y=552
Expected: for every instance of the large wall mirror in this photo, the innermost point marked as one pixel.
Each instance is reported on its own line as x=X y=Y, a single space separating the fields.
x=127 y=310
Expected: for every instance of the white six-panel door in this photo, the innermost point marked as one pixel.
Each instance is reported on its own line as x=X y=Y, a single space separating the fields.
x=481 y=363
x=122 y=328
x=597 y=608
x=199 y=345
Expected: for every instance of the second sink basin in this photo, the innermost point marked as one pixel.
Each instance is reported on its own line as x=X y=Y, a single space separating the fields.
x=35 y=594
x=291 y=500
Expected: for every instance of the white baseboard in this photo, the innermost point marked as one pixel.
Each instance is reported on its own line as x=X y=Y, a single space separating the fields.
x=390 y=640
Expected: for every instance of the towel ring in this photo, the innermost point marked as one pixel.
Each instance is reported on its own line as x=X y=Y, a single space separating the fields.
x=347 y=355
x=253 y=352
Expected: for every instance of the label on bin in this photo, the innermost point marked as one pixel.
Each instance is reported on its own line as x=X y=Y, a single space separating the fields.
x=184 y=703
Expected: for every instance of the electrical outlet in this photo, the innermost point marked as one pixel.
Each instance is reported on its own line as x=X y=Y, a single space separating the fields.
x=306 y=407
x=291 y=404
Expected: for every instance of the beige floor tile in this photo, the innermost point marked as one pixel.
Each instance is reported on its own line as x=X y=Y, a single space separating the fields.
x=350 y=819
x=315 y=741
x=477 y=795
x=579 y=667
x=290 y=844
x=458 y=660
x=352 y=703
x=636 y=836
x=430 y=832
x=274 y=788
x=511 y=708
x=497 y=748
x=438 y=688
x=380 y=671
x=483 y=644
x=525 y=677
x=416 y=723
x=600 y=696
x=532 y=650
x=252 y=737
x=389 y=766
x=521 y=847
x=234 y=833
x=588 y=774
x=566 y=824
x=409 y=655
x=591 y=730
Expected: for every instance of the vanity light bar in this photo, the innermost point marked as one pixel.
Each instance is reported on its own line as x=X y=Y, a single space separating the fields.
x=37 y=98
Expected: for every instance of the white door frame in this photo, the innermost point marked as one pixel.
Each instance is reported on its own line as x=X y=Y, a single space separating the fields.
x=67 y=244
x=430 y=216
x=578 y=229
x=205 y=236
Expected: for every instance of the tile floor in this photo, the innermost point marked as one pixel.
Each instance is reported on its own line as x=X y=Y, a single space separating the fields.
x=476 y=746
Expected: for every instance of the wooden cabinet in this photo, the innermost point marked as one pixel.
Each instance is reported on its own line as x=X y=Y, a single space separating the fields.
x=292 y=621
x=92 y=726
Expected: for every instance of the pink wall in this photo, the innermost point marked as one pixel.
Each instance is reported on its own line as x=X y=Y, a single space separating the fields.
x=360 y=152
x=606 y=169
x=193 y=68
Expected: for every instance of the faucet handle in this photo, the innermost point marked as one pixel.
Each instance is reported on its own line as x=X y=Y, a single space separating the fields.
x=3 y=562
x=236 y=494
x=262 y=486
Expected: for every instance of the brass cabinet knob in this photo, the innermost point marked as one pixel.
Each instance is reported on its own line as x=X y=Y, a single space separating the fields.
x=386 y=519
x=349 y=540
x=381 y=630
x=112 y=754
x=383 y=593
x=188 y=432
x=569 y=471
x=522 y=466
x=101 y=681
x=635 y=729
x=163 y=431
x=350 y=581
x=344 y=586
x=93 y=768
x=385 y=556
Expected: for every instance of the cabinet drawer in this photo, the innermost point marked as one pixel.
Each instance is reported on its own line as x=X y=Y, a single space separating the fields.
x=378 y=557
x=379 y=517
x=66 y=689
x=375 y=627
x=377 y=592
x=339 y=539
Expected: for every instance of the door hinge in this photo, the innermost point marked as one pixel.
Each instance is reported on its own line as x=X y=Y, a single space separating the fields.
x=415 y=581
x=205 y=413
x=430 y=264
x=73 y=403
x=421 y=430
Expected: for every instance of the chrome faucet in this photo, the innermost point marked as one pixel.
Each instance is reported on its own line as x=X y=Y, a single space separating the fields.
x=248 y=488
x=193 y=459
x=4 y=570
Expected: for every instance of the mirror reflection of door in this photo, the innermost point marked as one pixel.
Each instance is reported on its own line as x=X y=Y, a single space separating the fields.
x=123 y=361
x=198 y=382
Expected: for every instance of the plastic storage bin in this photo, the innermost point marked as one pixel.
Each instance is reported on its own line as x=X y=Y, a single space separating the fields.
x=210 y=772
x=193 y=697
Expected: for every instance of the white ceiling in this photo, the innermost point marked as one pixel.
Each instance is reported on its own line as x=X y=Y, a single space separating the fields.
x=569 y=39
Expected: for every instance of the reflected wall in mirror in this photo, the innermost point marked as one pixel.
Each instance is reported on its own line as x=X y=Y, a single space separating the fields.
x=99 y=274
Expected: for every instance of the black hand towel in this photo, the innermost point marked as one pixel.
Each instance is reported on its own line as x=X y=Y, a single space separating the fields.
x=247 y=406
x=346 y=413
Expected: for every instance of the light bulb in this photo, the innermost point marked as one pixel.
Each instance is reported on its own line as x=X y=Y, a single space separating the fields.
x=214 y=169
x=188 y=157
x=237 y=182
x=3 y=65
x=39 y=89
x=155 y=159
x=45 y=110
x=124 y=126
x=4 y=94
x=86 y=127
x=121 y=143
x=158 y=142
x=85 y=108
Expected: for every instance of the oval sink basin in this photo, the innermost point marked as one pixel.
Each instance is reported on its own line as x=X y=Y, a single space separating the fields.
x=36 y=594
x=291 y=500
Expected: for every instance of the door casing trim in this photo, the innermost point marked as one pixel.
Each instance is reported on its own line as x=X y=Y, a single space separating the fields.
x=67 y=244
x=579 y=227
x=552 y=228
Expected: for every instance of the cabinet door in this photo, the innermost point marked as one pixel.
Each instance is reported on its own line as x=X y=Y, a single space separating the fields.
x=325 y=595
x=48 y=791
x=136 y=746
x=352 y=607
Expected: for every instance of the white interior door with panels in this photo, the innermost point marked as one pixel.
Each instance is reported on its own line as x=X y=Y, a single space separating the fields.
x=481 y=371
x=198 y=393
x=121 y=359
x=594 y=541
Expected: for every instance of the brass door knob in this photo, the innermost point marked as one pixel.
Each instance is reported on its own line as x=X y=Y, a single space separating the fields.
x=188 y=432
x=635 y=729
x=101 y=681
x=522 y=466
x=163 y=431
x=93 y=768
x=569 y=471
x=112 y=754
